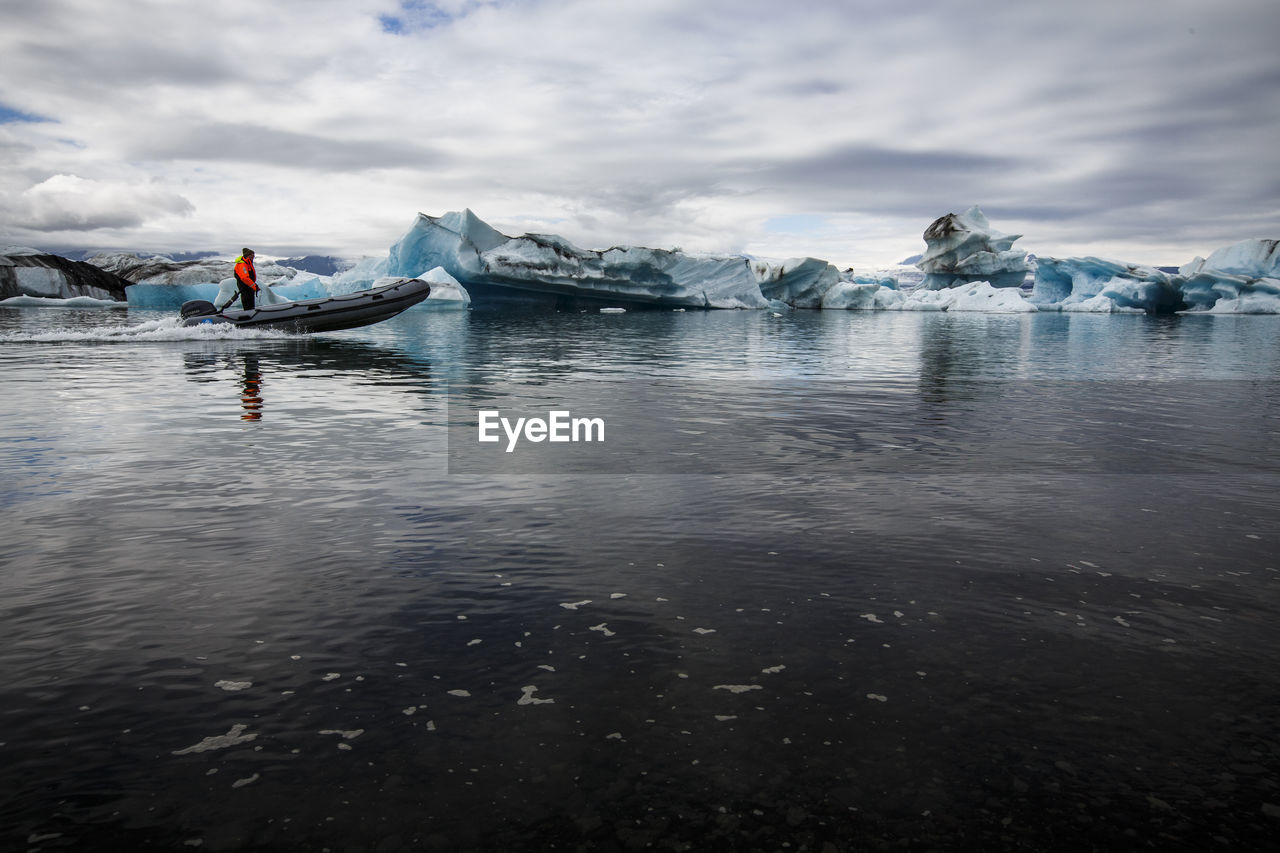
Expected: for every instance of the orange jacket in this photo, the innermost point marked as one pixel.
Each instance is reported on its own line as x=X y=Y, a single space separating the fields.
x=246 y=273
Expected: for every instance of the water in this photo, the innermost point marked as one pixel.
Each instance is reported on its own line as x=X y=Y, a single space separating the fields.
x=899 y=582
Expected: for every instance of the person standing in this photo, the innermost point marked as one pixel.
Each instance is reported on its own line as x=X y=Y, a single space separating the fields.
x=246 y=279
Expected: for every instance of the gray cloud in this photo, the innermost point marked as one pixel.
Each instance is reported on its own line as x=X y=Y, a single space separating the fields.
x=1075 y=123
x=252 y=143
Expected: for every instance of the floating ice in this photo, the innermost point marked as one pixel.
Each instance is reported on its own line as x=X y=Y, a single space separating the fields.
x=964 y=248
x=575 y=605
x=1243 y=278
x=871 y=617
x=345 y=734
x=232 y=686
x=462 y=694
x=332 y=676
x=878 y=697
x=603 y=629
x=1097 y=285
x=704 y=630
x=737 y=688
x=240 y=783
x=491 y=265
x=527 y=697
x=773 y=670
x=233 y=737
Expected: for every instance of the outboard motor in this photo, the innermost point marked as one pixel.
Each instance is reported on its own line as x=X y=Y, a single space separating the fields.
x=197 y=308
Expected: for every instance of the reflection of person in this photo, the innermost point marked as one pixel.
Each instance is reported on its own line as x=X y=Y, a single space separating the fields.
x=251 y=389
x=246 y=279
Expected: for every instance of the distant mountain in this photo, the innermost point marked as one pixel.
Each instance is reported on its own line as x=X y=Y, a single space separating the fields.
x=318 y=264
x=906 y=262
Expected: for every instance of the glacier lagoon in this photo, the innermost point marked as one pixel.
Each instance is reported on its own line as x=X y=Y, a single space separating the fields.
x=861 y=579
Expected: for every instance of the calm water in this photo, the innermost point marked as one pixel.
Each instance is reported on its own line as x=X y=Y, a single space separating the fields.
x=832 y=582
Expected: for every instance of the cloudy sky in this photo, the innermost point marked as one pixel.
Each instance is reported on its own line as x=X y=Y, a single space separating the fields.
x=1143 y=130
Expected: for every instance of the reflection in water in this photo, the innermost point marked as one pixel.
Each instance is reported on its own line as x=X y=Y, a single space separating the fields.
x=251 y=389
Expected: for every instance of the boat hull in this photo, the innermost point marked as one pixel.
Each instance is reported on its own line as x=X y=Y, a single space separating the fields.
x=323 y=314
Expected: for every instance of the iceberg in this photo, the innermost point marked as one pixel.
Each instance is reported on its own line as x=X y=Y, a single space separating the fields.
x=171 y=296
x=1243 y=278
x=549 y=269
x=446 y=292
x=162 y=270
x=1099 y=285
x=964 y=248
x=30 y=273
x=799 y=282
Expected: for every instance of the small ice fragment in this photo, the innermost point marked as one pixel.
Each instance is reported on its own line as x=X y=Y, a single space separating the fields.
x=878 y=697
x=704 y=630
x=682 y=675
x=898 y=613
x=410 y=711
x=575 y=605
x=350 y=734
x=737 y=688
x=724 y=718
x=1120 y=620
x=295 y=657
x=332 y=676
x=475 y=642
x=548 y=667
x=232 y=686
x=603 y=629
x=614 y=736
x=460 y=693
x=773 y=669
x=344 y=746
x=240 y=783
x=431 y=725
x=617 y=595
x=529 y=699
x=871 y=617
x=235 y=736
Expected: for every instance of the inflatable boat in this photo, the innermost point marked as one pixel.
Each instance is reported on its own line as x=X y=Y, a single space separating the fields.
x=324 y=314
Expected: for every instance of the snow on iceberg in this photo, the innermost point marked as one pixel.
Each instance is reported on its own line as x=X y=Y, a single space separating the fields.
x=964 y=248
x=1243 y=278
x=1099 y=285
x=548 y=268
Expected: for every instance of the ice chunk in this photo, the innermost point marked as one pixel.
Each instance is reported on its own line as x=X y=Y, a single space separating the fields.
x=548 y=268
x=446 y=292
x=964 y=248
x=233 y=737
x=1243 y=278
x=799 y=282
x=1103 y=286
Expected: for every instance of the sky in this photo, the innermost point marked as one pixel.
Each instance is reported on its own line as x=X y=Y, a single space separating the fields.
x=1139 y=130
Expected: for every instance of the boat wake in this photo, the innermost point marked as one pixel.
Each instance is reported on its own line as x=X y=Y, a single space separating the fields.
x=167 y=329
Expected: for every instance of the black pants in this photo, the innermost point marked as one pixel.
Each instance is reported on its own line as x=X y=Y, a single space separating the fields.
x=246 y=296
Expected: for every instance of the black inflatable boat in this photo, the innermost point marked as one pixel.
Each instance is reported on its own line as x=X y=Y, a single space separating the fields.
x=324 y=314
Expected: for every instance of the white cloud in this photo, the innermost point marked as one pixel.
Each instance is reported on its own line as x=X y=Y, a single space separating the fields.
x=72 y=203
x=1144 y=131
